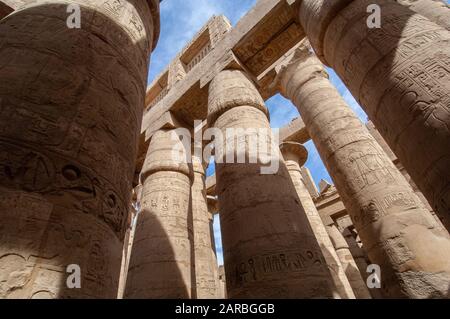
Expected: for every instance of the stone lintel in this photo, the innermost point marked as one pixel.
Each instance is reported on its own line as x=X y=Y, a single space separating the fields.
x=167 y=121
x=233 y=52
x=295 y=131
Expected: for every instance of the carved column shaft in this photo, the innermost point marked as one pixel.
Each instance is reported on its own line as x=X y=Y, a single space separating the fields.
x=295 y=156
x=386 y=212
x=400 y=74
x=437 y=11
x=162 y=254
x=212 y=210
x=269 y=248
x=129 y=238
x=348 y=263
x=206 y=275
x=71 y=103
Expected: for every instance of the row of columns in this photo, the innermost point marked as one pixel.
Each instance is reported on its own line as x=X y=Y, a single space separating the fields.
x=274 y=243
x=269 y=248
x=399 y=73
x=65 y=177
x=385 y=210
x=349 y=282
x=173 y=254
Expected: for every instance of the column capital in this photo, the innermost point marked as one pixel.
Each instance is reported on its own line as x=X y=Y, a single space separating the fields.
x=316 y=16
x=298 y=69
x=229 y=89
x=166 y=152
x=198 y=165
x=293 y=151
x=213 y=204
x=154 y=9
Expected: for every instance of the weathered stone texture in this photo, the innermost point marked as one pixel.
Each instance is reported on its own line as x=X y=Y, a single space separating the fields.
x=386 y=212
x=269 y=248
x=437 y=11
x=400 y=74
x=295 y=156
x=206 y=272
x=348 y=263
x=161 y=259
x=71 y=104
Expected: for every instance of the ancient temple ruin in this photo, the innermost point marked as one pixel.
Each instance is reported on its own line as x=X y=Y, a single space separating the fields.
x=100 y=171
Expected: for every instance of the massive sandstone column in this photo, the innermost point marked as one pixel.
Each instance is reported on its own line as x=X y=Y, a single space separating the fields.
x=397 y=231
x=269 y=248
x=348 y=263
x=71 y=103
x=212 y=204
x=437 y=11
x=206 y=275
x=161 y=258
x=295 y=156
x=400 y=74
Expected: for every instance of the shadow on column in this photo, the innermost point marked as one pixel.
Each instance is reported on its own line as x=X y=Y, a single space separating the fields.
x=192 y=243
x=325 y=253
x=62 y=135
x=399 y=74
x=156 y=275
x=269 y=247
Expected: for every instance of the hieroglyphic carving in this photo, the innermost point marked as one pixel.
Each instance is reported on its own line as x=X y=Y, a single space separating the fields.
x=400 y=75
x=269 y=247
x=269 y=28
x=274 y=49
x=71 y=103
x=385 y=210
x=295 y=156
x=160 y=264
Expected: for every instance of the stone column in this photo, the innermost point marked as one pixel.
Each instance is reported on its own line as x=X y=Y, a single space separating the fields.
x=348 y=263
x=295 y=155
x=269 y=248
x=71 y=103
x=400 y=74
x=205 y=262
x=212 y=204
x=161 y=258
x=360 y=256
x=437 y=11
x=129 y=237
x=398 y=232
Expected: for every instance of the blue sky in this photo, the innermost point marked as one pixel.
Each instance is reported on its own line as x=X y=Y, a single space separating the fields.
x=180 y=21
